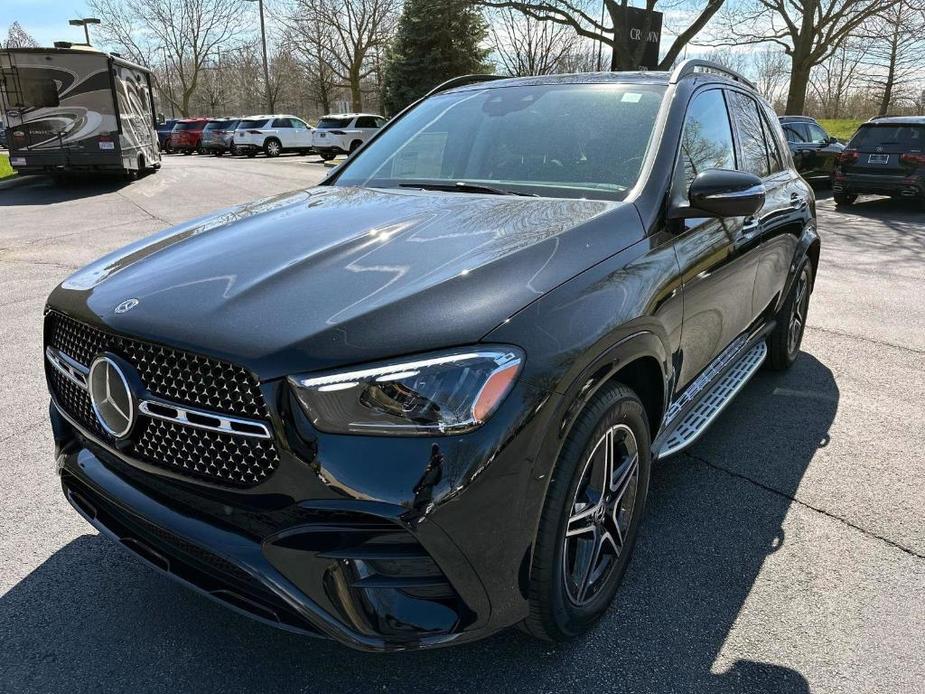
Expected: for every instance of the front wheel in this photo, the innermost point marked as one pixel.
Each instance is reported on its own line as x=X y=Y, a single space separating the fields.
x=785 y=340
x=591 y=516
x=328 y=156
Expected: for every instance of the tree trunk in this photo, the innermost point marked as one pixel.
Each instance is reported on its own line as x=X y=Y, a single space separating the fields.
x=356 y=96
x=799 y=81
x=888 y=84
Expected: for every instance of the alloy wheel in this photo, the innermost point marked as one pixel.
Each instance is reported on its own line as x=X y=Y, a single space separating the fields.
x=273 y=148
x=798 y=313
x=600 y=514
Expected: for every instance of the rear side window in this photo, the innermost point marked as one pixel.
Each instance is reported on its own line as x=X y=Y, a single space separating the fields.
x=252 y=124
x=796 y=132
x=186 y=126
x=750 y=129
x=707 y=140
x=282 y=123
x=366 y=122
x=328 y=123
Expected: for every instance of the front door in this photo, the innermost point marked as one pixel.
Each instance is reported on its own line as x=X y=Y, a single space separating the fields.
x=717 y=272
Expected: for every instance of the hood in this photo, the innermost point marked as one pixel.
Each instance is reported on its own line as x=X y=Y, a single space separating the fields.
x=336 y=275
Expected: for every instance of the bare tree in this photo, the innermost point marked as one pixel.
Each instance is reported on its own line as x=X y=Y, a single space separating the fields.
x=181 y=35
x=586 y=22
x=527 y=46
x=769 y=69
x=809 y=31
x=896 y=51
x=17 y=37
x=352 y=32
x=833 y=81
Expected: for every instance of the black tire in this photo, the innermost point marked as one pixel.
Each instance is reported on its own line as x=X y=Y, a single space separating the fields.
x=328 y=156
x=785 y=340
x=187 y=152
x=555 y=613
x=272 y=147
x=355 y=145
x=199 y=149
x=844 y=199
x=251 y=155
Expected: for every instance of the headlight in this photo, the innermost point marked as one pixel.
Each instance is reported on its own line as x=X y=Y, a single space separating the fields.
x=443 y=393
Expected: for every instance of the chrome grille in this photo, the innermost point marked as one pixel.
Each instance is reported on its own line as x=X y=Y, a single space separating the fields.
x=180 y=377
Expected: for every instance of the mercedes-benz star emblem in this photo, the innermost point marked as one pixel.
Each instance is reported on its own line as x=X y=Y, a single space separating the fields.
x=126 y=305
x=111 y=397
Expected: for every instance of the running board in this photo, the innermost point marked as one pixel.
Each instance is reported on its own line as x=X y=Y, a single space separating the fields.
x=714 y=401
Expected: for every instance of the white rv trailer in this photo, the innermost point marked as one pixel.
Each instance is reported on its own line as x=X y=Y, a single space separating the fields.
x=77 y=109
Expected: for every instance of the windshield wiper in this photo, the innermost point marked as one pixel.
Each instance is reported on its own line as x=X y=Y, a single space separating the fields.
x=463 y=187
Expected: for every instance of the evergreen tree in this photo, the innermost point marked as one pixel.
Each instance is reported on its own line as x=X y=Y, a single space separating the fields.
x=436 y=40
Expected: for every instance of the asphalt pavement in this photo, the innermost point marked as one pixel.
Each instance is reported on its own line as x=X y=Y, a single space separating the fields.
x=784 y=552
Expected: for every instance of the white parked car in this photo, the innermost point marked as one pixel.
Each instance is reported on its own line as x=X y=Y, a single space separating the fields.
x=272 y=135
x=342 y=133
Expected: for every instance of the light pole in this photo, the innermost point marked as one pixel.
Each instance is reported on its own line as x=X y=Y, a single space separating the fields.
x=266 y=67
x=85 y=23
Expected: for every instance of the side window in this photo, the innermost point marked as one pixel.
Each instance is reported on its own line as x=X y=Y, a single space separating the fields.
x=282 y=123
x=816 y=134
x=749 y=126
x=380 y=122
x=707 y=140
x=772 y=137
x=297 y=124
x=366 y=122
x=793 y=135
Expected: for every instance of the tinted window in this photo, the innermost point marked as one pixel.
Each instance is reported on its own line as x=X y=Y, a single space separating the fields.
x=252 y=124
x=902 y=136
x=327 y=123
x=564 y=140
x=366 y=122
x=36 y=92
x=220 y=125
x=816 y=134
x=707 y=141
x=752 y=146
x=282 y=123
x=187 y=126
x=774 y=153
x=795 y=132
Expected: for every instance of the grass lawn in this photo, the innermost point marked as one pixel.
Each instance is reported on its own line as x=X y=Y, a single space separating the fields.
x=842 y=128
x=5 y=169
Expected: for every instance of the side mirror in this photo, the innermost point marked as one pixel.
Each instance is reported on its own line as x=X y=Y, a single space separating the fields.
x=832 y=140
x=722 y=193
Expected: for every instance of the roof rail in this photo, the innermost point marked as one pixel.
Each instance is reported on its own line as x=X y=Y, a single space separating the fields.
x=461 y=81
x=885 y=115
x=694 y=65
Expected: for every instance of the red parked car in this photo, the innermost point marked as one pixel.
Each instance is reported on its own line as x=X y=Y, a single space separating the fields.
x=186 y=135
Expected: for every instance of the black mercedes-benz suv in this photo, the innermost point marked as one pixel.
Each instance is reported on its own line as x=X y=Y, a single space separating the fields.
x=420 y=402
x=886 y=156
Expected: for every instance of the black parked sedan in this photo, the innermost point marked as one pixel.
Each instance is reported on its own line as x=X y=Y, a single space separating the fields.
x=815 y=152
x=420 y=402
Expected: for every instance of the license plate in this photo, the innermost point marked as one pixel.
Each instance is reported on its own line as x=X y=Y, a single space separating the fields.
x=107 y=145
x=878 y=159
x=17 y=161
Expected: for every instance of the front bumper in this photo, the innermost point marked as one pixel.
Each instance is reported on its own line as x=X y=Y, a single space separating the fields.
x=355 y=560
x=879 y=184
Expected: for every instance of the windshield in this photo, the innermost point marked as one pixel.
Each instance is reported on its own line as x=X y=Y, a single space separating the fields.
x=327 y=123
x=906 y=136
x=255 y=124
x=574 y=140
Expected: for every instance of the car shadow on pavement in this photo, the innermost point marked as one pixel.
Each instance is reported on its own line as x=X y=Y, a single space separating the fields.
x=44 y=190
x=93 y=618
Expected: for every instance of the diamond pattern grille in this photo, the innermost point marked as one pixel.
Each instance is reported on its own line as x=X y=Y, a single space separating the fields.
x=185 y=378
